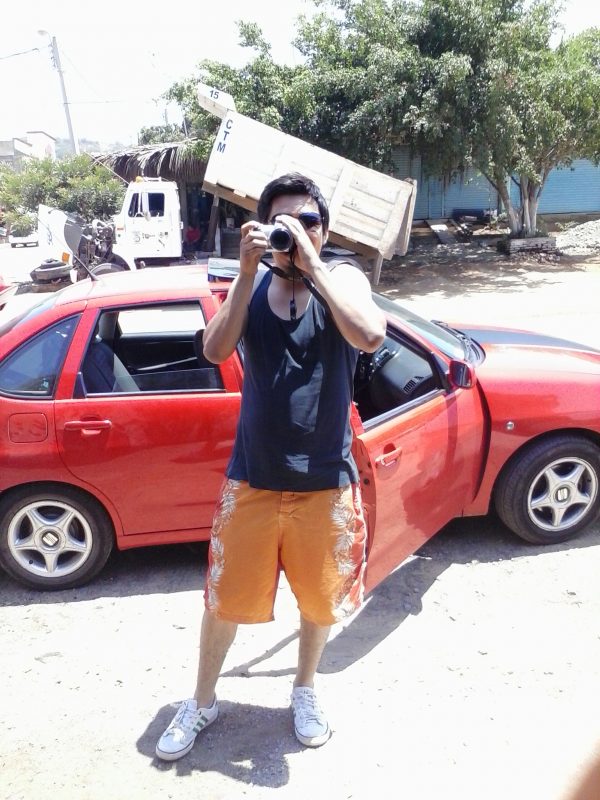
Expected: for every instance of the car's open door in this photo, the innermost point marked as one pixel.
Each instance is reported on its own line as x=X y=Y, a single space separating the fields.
x=418 y=470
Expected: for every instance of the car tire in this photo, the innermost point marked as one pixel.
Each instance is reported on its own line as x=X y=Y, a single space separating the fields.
x=12 y=244
x=53 y=537
x=550 y=491
x=50 y=270
x=107 y=267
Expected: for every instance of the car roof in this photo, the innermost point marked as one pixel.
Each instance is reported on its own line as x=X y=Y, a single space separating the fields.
x=149 y=282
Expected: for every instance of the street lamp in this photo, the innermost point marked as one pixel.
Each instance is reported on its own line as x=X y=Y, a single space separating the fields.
x=58 y=67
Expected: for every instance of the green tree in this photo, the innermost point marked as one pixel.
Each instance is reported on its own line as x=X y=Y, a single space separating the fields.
x=157 y=134
x=277 y=95
x=76 y=184
x=466 y=83
x=497 y=96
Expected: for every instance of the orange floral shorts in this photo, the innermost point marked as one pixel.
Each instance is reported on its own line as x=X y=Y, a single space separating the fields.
x=317 y=538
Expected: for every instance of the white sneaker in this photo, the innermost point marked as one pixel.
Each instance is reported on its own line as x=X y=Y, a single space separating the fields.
x=179 y=737
x=310 y=725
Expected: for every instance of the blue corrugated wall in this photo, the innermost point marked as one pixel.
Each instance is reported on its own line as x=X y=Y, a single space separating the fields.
x=574 y=189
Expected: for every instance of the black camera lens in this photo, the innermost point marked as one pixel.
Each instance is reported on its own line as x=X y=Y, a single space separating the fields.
x=281 y=239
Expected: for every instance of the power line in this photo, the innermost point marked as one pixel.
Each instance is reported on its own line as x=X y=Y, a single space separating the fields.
x=21 y=53
x=110 y=102
x=81 y=75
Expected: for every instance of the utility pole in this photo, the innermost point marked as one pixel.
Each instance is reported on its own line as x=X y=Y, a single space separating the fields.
x=57 y=65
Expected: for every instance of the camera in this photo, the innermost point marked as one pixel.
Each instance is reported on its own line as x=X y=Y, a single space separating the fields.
x=278 y=236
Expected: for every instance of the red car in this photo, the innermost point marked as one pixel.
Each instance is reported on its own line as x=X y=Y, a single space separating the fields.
x=114 y=429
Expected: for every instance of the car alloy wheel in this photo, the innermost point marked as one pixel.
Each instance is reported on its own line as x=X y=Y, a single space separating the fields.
x=562 y=494
x=551 y=490
x=49 y=538
x=53 y=539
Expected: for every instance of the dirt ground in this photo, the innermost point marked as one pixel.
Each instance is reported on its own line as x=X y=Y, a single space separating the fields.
x=472 y=672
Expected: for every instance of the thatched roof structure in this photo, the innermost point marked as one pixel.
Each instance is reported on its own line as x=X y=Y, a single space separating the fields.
x=174 y=161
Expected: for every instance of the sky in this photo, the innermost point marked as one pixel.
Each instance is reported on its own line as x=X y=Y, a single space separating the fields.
x=117 y=61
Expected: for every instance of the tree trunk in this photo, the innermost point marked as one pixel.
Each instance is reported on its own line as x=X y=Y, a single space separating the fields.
x=514 y=221
x=524 y=192
x=530 y=197
x=533 y=207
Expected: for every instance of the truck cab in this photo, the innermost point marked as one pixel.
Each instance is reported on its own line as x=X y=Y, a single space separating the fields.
x=149 y=224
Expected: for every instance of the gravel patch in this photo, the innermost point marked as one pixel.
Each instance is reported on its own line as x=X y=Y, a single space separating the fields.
x=581 y=239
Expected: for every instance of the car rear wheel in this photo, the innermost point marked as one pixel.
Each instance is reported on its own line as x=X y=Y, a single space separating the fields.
x=552 y=490
x=53 y=538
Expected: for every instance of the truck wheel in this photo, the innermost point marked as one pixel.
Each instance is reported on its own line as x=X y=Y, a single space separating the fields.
x=50 y=270
x=108 y=266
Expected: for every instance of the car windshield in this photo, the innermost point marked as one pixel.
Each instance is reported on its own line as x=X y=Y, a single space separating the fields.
x=445 y=339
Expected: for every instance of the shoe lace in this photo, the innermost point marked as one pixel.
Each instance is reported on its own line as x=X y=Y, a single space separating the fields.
x=307 y=707
x=184 y=720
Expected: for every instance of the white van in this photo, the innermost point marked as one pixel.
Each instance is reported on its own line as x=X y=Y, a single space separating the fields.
x=24 y=241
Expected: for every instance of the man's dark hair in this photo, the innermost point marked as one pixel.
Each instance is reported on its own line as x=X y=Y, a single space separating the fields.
x=292 y=183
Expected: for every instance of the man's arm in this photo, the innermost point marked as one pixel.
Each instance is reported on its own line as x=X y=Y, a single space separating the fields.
x=348 y=295
x=345 y=289
x=227 y=327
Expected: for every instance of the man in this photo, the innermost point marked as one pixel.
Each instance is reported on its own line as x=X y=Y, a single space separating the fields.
x=291 y=498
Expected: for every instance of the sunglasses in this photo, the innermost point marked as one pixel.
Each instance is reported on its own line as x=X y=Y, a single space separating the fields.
x=308 y=219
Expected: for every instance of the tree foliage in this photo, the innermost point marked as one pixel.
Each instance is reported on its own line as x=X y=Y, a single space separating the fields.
x=502 y=99
x=76 y=184
x=159 y=134
x=277 y=95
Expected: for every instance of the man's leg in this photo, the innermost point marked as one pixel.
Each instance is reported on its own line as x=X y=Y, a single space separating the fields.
x=310 y=724
x=202 y=710
x=313 y=639
x=216 y=637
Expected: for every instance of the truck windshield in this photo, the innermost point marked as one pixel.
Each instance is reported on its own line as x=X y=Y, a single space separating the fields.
x=153 y=202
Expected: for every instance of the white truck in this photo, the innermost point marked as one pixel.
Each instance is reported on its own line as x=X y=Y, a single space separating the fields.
x=146 y=230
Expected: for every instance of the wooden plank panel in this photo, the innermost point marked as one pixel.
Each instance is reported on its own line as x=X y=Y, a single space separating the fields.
x=368 y=209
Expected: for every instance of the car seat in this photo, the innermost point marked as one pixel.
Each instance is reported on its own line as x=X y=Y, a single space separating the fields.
x=103 y=371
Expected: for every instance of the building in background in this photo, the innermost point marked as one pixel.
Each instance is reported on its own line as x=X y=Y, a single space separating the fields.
x=34 y=145
x=569 y=190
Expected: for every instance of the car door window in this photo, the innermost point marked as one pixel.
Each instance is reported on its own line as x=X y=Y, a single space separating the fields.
x=33 y=369
x=151 y=348
x=396 y=375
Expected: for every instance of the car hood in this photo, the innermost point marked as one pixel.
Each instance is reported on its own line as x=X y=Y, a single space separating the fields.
x=532 y=353
x=537 y=383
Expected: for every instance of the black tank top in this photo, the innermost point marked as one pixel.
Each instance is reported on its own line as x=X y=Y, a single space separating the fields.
x=294 y=430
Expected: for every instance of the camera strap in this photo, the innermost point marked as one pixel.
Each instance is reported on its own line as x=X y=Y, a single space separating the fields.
x=296 y=273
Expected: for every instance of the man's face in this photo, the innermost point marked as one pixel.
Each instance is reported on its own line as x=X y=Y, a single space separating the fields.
x=294 y=205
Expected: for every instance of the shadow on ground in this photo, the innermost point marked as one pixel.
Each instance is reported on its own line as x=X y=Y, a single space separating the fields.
x=452 y=270
x=226 y=747
x=145 y=570
x=465 y=541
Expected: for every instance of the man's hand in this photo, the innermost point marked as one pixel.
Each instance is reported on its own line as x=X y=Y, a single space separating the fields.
x=305 y=256
x=253 y=246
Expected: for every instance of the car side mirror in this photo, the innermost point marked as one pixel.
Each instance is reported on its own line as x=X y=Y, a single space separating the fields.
x=461 y=375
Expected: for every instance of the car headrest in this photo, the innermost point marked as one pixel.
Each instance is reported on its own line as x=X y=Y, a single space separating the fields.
x=107 y=325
